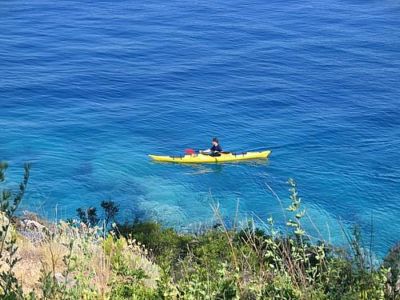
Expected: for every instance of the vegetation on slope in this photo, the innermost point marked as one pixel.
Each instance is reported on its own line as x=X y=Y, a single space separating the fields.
x=143 y=260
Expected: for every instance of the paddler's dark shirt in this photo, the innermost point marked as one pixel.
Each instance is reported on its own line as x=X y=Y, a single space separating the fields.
x=216 y=148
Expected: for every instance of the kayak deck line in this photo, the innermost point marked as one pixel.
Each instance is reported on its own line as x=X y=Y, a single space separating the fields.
x=204 y=158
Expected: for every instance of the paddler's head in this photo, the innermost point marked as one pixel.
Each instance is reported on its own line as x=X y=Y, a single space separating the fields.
x=215 y=141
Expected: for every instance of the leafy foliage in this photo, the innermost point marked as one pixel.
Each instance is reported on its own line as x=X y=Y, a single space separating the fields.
x=143 y=260
x=392 y=263
x=88 y=216
x=9 y=202
x=163 y=243
x=110 y=210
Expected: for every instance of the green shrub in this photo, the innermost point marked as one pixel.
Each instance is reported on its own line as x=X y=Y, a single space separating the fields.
x=163 y=243
x=10 y=288
x=392 y=262
x=220 y=263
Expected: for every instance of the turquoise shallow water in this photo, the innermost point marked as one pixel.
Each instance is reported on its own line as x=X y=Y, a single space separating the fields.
x=88 y=89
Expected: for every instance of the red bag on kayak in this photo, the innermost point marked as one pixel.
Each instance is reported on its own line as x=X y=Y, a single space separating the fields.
x=190 y=152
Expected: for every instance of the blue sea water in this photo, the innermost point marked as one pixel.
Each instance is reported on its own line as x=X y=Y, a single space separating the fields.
x=89 y=88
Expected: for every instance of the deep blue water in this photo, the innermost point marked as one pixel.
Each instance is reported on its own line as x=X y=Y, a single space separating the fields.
x=89 y=88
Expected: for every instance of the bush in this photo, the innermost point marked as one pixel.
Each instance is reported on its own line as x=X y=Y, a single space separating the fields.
x=10 y=287
x=82 y=261
x=163 y=243
x=392 y=262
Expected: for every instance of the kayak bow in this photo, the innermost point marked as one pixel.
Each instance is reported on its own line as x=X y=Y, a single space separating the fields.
x=203 y=158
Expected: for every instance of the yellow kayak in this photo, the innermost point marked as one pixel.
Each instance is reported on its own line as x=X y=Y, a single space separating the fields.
x=204 y=158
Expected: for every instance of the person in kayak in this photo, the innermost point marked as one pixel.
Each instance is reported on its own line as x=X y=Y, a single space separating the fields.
x=215 y=149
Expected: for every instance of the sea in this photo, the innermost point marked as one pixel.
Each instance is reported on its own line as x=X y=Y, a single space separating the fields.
x=89 y=88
